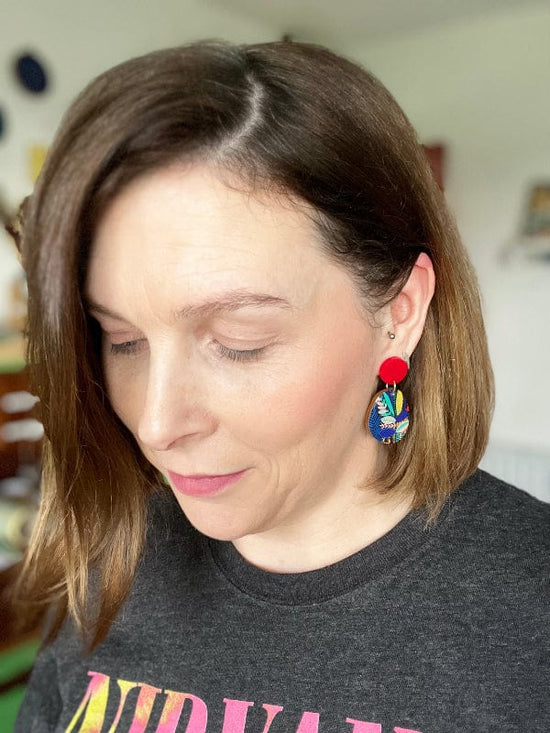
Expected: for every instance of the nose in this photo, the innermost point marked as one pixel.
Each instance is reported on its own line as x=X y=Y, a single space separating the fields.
x=174 y=408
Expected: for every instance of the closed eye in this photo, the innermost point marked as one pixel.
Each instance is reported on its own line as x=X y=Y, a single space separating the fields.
x=127 y=347
x=239 y=355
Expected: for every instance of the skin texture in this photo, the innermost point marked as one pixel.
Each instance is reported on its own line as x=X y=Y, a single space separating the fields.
x=292 y=414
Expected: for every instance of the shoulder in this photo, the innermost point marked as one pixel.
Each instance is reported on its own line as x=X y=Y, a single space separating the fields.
x=492 y=512
x=496 y=542
x=488 y=562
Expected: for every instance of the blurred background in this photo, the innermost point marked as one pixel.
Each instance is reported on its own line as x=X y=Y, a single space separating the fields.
x=472 y=75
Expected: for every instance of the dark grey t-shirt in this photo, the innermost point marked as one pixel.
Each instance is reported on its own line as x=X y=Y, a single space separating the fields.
x=440 y=630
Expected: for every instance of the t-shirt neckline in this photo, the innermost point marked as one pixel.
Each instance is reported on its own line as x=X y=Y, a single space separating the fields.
x=344 y=576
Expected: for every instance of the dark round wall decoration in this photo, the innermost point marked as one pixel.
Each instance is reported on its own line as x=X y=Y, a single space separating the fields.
x=31 y=73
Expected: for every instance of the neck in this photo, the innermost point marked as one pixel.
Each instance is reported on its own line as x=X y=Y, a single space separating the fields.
x=325 y=537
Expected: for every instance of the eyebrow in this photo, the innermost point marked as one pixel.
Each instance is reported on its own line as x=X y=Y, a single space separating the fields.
x=226 y=302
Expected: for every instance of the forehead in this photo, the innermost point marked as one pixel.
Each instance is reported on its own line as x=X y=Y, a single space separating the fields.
x=190 y=229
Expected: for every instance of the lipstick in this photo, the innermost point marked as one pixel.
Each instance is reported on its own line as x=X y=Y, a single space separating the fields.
x=201 y=485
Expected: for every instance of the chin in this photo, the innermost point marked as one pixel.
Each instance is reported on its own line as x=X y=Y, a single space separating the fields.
x=213 y=521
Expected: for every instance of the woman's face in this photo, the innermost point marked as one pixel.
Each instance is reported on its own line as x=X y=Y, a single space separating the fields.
x=235 y=351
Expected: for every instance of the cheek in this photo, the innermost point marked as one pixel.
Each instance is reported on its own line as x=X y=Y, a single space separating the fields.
x=125 y=394
x=327 y=392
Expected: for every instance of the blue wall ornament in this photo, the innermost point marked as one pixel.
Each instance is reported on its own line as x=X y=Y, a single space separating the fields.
x=31 y=73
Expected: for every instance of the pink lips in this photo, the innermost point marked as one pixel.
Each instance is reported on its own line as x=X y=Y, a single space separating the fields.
x=202 y=485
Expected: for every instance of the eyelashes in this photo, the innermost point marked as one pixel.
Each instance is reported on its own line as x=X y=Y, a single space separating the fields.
x=126 y=347
x=240 y=355
x=237 y=355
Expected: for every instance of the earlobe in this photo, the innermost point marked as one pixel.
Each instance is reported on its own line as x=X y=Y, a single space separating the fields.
x=409 y=308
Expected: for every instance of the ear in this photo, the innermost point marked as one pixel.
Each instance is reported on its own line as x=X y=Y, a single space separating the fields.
x=408 y=309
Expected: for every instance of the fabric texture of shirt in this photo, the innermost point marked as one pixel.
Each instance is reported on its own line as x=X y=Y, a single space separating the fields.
x=439 y=629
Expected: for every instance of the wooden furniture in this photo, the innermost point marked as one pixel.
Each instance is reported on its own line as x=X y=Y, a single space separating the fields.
x=20 y=445
x=12 y=354
x=17 y=654
x=20 y=432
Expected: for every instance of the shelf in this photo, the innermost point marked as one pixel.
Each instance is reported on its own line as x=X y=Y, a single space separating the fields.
x=12 y=353
x=535 y=248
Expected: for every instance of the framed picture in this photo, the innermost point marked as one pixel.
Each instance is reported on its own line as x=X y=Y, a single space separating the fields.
x=436 y=158
x=537 y=219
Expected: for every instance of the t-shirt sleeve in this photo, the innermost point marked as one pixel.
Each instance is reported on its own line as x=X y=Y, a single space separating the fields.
x=41 y=706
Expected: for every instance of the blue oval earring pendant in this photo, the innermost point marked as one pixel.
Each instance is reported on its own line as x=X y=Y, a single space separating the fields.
x=388 y=414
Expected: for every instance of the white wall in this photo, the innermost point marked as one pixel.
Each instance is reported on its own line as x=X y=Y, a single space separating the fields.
x=78 y=40
x=483 y=87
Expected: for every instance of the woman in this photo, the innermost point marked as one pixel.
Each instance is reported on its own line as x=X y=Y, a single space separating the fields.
x=241 y=274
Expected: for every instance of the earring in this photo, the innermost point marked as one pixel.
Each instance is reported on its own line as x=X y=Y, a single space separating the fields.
x=388 y=413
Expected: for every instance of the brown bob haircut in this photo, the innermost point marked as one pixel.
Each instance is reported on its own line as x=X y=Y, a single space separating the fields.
x=285 y=117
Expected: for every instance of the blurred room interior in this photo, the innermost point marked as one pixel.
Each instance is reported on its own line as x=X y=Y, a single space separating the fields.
x=473 y=77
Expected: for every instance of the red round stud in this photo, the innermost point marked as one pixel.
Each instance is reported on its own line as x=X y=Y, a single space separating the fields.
x=393 y=370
